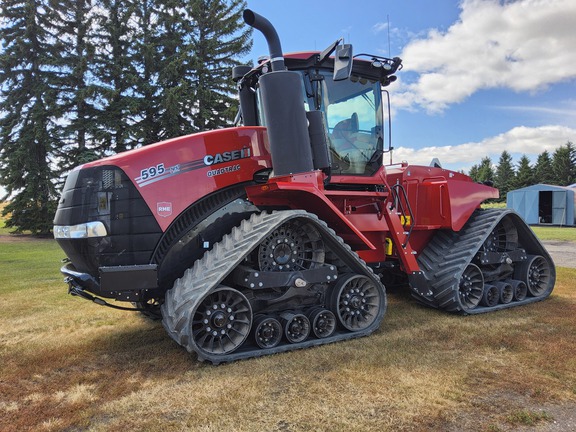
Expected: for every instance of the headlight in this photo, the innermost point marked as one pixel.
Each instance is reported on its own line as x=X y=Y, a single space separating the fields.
x=85 y=230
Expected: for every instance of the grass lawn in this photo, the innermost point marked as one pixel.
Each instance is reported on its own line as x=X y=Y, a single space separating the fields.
x=555 y=233
x=68 y=364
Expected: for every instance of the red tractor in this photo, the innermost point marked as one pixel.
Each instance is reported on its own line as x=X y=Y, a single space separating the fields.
x=280 y=233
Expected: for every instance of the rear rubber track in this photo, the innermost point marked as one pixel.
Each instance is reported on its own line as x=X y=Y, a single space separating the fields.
x=445 y=258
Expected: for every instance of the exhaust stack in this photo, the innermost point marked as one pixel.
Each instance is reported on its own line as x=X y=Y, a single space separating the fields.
x=282 y=97
x=267 y=29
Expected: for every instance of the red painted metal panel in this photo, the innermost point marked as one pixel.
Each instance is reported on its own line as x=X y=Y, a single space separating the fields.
x=173 y=174
x=303 y=191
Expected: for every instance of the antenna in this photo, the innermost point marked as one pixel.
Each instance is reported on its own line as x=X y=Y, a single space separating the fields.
x=389 y=50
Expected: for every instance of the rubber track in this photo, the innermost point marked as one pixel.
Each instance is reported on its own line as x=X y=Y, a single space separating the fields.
x=448 y=254
x=208 y=272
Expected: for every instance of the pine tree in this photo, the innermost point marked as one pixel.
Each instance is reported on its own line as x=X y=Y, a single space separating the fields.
x=524 y=174
x=175 y=27
x=75 y=41
x=219 y=38
x=29 y=90
x=473 y=173
x=115 y=76
x=505 y=175
x=564 y=165
x=543 y=171
x=144 y=56
x=484 y=172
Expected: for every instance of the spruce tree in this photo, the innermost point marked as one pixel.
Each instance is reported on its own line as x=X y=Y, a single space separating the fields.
x=75 y=41
x=29 y=92
x=143 y=54
x=564 y=165
x=114 y=75
x=174 y=30
x=524 y=174
x=473 y=173
x=82 y=79
x=485 y=173
x=219 y=37
x=543 y=171
x=504 y=177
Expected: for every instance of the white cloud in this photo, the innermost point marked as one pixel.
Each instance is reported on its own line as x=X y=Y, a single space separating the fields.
x=563 y=112
x=379 y=27
x=517 y=141
x=524 y=46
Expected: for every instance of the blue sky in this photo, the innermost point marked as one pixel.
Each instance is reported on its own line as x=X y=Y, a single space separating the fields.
x=479 y=77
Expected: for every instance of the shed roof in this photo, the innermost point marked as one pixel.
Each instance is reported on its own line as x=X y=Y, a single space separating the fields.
x=545 y=187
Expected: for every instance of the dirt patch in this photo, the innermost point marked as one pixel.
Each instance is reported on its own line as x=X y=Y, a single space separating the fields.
x=563 y=252
x=520 y=415
x=562 y=418
x=15 y=238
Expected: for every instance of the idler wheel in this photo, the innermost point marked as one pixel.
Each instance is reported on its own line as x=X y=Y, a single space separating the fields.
x=471 y=287
x=536 y=273
x=222 y=321
x=356 y=302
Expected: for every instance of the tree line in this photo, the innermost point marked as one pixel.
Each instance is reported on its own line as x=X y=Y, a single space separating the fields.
x=82 y=79
x=556 y=169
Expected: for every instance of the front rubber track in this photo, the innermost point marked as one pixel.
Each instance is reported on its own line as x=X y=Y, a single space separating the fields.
x=207 y=274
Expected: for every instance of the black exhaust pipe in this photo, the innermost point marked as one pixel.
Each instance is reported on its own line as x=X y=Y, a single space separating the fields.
x=267 y=29
x=282 y=98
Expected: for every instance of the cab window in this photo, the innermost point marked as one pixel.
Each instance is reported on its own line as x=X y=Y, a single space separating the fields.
x=353 y=112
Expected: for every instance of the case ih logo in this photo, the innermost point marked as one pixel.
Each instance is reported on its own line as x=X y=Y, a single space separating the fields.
x=164 y=209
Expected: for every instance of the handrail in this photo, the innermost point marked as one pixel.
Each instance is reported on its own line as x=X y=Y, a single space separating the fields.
x=397 y=200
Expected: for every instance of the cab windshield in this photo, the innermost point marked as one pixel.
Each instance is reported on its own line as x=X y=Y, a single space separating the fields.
x=353 y=114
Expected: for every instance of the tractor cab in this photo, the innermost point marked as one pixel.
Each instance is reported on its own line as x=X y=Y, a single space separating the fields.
x=353 y=115
x=341 y=98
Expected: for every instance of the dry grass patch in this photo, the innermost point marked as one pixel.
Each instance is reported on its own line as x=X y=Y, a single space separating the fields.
x=71 y=365
x=527 y=417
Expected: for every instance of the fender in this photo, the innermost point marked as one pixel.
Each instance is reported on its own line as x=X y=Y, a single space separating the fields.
x=302 y=192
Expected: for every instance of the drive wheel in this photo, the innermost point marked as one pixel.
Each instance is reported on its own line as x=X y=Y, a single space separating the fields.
x=471 y=287
x=296 y=245
x=504 y=237
x=535 y=272
x=221 y=321
x=356 y=302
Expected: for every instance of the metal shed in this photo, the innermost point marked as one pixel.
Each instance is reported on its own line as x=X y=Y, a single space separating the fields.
x=544 y=204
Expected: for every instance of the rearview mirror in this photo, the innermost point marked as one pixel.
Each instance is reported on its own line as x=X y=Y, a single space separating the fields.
x=343 y=62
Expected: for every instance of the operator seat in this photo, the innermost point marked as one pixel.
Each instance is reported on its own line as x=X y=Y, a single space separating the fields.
x=343 y=133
